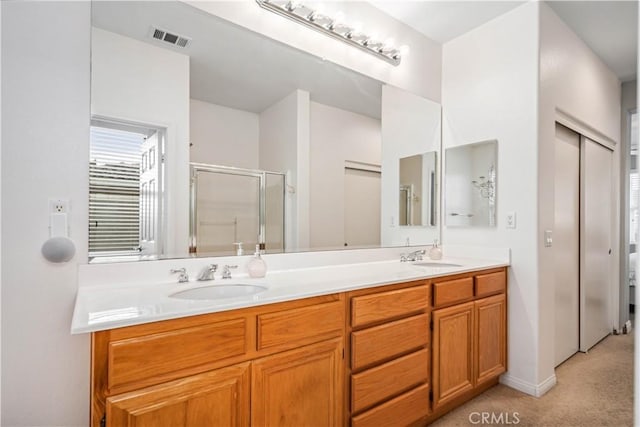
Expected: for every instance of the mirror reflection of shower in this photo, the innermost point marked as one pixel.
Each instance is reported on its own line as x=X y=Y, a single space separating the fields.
x=471 y=184
x=486 y=185
x=234 y=207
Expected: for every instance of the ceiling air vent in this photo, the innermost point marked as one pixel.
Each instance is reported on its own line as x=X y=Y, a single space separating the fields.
x=171 y=38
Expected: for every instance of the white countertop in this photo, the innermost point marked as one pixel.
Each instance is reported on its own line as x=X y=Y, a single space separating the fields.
x=107 y=306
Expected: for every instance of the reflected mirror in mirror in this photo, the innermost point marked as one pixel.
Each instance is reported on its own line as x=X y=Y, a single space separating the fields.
x=166 y=68
x=418 y=190
x=470 y=185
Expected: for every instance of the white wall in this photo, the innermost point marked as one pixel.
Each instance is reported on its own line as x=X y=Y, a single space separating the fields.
x=419 y=72
x=574 y=83
x=223 y=136
x=336 y=136
x=121 y=65
x=284 y=147
x=45 y=152
x=489 y=91
x=410 y=126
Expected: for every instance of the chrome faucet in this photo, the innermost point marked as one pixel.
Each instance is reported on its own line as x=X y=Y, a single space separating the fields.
x=207 y=273
x=413 y=256
x=183 y=277
x=226 y=271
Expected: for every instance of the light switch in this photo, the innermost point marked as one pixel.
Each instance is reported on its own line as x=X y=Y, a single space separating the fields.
x=548 y=238
x=511 y=220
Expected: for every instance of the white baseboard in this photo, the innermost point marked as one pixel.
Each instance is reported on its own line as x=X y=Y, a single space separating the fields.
x=532 y=389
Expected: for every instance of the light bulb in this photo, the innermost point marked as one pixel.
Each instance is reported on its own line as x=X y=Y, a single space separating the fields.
x=404 y=50
x=292 y=5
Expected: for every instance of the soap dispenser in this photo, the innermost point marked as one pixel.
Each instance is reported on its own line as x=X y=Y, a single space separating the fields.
x=435 y=252
x=256 y=266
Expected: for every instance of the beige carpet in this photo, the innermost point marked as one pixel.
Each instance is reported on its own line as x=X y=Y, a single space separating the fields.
x=593 y=389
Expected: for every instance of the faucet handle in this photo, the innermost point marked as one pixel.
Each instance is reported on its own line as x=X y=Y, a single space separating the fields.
x=183 y=277
x=226 y=271
x=207 y=273
x=403 y=257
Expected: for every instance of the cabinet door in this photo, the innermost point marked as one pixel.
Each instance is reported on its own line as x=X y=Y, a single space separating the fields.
x=453 y=336
x=301 y=387
x=491 y=339
x=216 y=398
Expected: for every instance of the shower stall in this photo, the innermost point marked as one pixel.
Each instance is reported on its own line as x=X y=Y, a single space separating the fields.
x=233 y=208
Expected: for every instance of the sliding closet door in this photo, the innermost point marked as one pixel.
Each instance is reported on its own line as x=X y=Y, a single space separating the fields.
x=597 y=190
x=566 y=242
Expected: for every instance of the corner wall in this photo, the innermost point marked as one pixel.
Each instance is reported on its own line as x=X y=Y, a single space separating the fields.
x=223 y=136
x=573 y=83
x=336 y=136
x=410 y=125
x=45 y=116
x=489 y=91
x=284 y=147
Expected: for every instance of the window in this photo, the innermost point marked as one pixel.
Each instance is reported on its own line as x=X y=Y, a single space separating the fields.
x=123 y=190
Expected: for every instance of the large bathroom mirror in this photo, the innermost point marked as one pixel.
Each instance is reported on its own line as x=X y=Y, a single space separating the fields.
x=470 y=180
x=418 y=190
x=206 y=135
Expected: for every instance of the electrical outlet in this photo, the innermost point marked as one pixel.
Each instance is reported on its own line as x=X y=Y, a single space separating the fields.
x=511 y=220
x=58 y=206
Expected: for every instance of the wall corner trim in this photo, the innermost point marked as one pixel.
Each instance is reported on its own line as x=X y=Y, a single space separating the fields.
x=536 y=390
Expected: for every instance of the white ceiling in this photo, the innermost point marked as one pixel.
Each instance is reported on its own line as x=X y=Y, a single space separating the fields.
x=609 y=28
x=444 y=20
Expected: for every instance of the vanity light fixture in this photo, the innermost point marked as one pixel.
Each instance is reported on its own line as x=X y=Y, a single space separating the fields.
x=336 y=27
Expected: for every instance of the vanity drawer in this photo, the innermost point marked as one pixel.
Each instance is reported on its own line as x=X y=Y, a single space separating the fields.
x=452 y=292
x=154 y=358
x=404 y=410
x=383 y=342
x=388 y=305
x=387 y=380
x=491 y=283
x=290 y=328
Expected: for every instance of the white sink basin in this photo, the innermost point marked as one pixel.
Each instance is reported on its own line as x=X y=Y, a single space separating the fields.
x=435 y=264
x=214 y=292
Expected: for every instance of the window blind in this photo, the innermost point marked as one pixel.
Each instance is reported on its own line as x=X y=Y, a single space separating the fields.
x=114 y=191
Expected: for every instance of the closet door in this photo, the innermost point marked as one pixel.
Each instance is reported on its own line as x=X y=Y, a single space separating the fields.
x=566 y=242
x=597 y=190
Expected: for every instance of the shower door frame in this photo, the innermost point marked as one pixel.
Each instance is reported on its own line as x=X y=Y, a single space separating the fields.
x=194 y=168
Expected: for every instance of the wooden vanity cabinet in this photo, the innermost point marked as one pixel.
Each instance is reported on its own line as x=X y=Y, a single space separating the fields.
x=214 y=398
x=415 y=351
x=274 y=365
x=469 y=337
x=301 y=387
x=389 y=370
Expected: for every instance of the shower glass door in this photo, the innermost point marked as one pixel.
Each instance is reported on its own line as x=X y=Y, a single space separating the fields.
x=232 y=207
